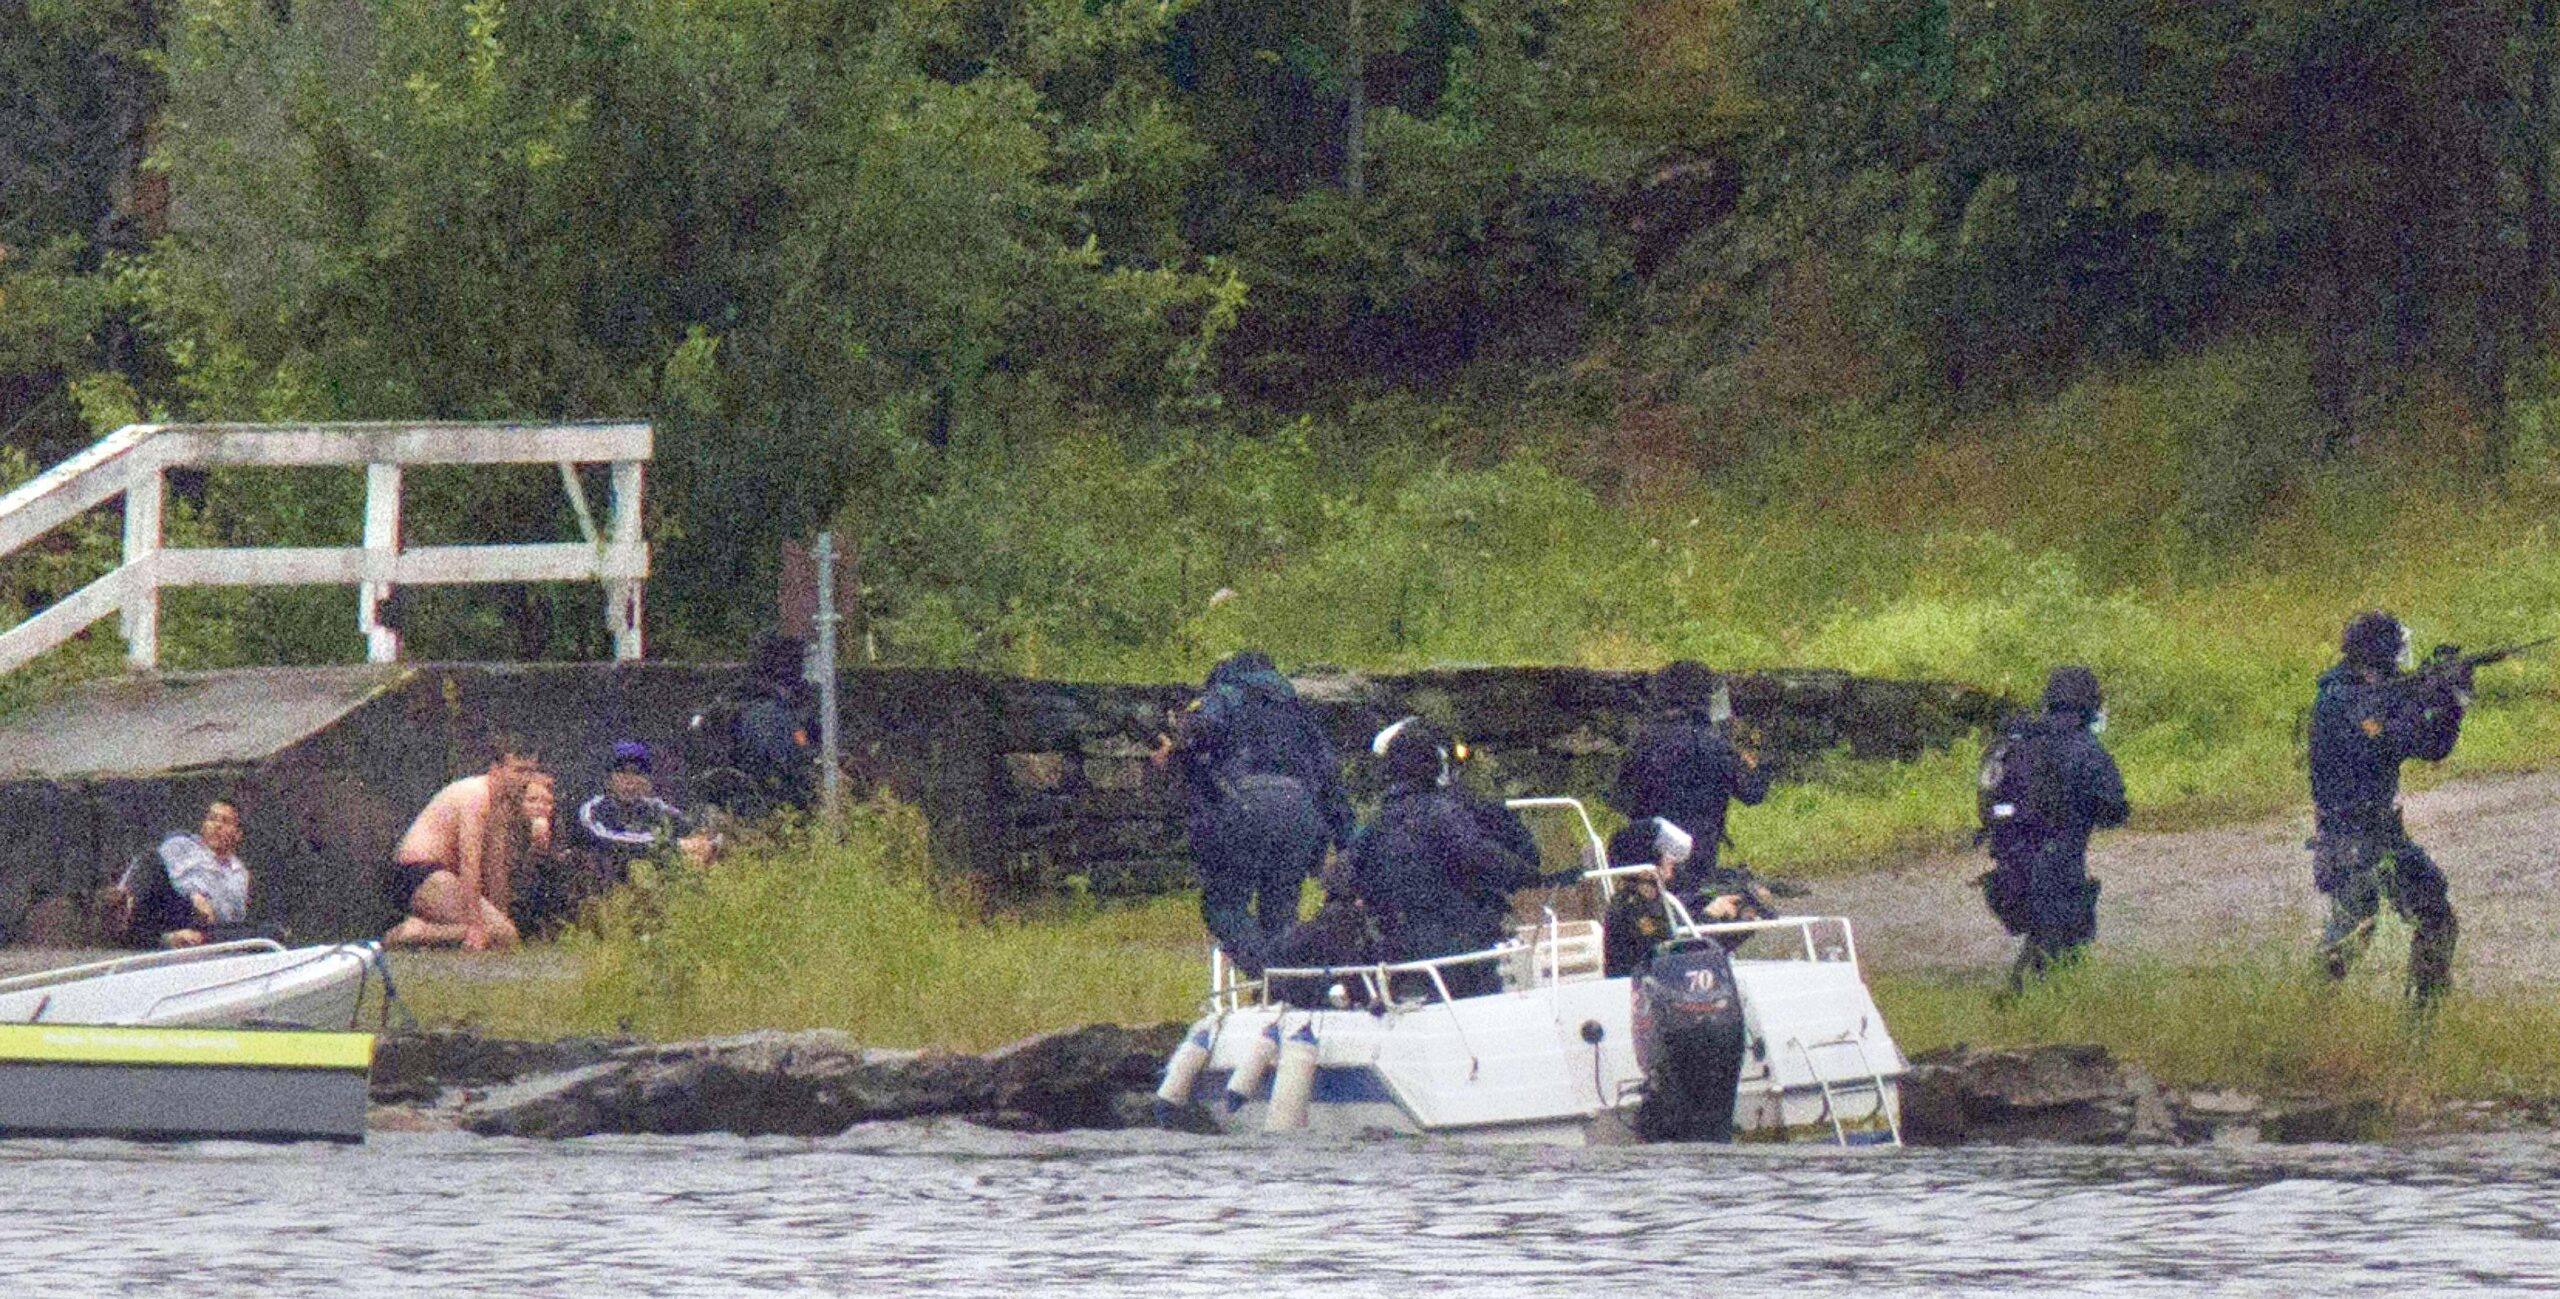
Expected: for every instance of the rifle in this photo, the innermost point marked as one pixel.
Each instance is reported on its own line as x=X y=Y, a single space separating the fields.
x=2447 y=664
x=1759 y=896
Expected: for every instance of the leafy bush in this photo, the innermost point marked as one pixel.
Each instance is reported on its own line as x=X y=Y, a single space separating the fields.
x=800 y=931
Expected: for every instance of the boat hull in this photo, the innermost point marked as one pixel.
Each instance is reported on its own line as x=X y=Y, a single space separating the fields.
x=261 y=985
x=72 y=1080
x=1557 y=1064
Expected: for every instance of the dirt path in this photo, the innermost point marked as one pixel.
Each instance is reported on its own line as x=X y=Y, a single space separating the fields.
x=2496 y=837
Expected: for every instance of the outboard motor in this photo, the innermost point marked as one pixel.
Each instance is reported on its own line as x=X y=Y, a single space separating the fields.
x=1689 y=1042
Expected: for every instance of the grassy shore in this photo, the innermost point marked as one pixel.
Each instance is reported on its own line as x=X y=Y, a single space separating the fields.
x=804 y=933
x=2158 y=524
x=2237 y=1019
x=2167 y=524
x=801 y=932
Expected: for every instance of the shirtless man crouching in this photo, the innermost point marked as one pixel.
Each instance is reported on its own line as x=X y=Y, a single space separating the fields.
x=455 y=856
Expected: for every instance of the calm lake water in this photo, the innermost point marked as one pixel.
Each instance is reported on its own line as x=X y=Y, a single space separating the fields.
x=946 y=1209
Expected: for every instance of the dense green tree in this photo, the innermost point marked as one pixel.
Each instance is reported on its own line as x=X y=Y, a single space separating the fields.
x=2007 y=185
x=809 y=236
x=2003 y=189
x=77 y=92
x=1483 y=224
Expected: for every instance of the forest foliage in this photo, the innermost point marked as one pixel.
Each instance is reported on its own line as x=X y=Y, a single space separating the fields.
x=1070 y=314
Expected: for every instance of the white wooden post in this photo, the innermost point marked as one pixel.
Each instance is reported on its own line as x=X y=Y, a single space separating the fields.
x=141 y=598
x=132 y=463
x=622 y=591
x=381 y=554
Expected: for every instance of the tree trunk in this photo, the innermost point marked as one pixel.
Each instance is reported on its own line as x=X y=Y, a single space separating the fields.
x=2535 y=300
x=1355 y=113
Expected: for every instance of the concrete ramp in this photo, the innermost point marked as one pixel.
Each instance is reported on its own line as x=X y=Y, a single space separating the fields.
x=180 y=722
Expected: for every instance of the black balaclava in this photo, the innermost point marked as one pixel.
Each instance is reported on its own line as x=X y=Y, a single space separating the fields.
x=2372 y=640
x=2073 y=688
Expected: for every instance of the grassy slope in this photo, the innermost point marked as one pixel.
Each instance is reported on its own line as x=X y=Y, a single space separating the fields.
x=803 y=934
x=2146 y=523
x=2153 y=524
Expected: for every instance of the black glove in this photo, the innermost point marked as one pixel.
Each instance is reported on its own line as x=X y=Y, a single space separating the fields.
x=2443 y=659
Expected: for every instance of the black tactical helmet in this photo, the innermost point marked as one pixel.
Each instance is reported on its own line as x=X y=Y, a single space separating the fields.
x=1682 y=683
x=779 y=658
x=2372 y=639
x=1415 y=750
x=1241 y=664
x=2072 y=688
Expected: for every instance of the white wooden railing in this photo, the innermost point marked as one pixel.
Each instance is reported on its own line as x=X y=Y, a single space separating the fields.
x=133 y=462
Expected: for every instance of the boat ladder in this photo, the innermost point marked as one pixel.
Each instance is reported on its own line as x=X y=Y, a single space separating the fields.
x=1861 y=1078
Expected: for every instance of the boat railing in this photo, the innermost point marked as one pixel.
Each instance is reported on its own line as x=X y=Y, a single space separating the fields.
x=1818 y=939
x=1821 y=938
x=139 y=961
x=362 y=950
x=1594 y=851
x=1229 y=990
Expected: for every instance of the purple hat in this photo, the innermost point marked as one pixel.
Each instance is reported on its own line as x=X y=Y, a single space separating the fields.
x=631 y=755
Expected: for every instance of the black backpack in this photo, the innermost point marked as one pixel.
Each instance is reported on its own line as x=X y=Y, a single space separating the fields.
x=711 y=735
x=2008 y=796
x=2013 y=788
x=158 y=907
x=1265 y=733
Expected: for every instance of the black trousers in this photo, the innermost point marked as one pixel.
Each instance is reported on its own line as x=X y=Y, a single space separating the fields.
x=2362 y=868
x=1250 y=851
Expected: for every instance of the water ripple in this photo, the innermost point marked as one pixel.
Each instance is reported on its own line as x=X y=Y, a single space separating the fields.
x=950 y=1209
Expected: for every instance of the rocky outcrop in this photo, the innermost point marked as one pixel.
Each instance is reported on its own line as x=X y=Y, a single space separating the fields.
x=417 y=1068
x=2070 y=1094
x=820 y=1082
x=772 y=1084
x=1099 y=1076
x=2077 y=1094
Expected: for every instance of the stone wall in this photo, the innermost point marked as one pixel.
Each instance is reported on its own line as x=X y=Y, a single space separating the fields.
x=1077 y=800
x=1034 y=786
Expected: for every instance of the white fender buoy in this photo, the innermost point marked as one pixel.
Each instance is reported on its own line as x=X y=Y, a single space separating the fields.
x=1183 y=1070
x=1256 y=1066
x=1294 y=1084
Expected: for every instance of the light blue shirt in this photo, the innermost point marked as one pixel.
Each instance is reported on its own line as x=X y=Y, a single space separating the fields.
x=195 y=868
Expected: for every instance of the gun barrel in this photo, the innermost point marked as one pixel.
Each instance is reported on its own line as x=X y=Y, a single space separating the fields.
x=2501 y=653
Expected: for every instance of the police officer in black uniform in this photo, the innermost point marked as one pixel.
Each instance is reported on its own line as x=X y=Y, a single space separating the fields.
x=2367 y=718
x=1265 y=798
x=1436 y=869
x=2061 y=785
x=1680 y=768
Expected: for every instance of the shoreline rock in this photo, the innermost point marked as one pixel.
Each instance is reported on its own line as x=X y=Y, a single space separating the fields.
x=2077 y=1094
x=812 y=1083
x=1103 y=1076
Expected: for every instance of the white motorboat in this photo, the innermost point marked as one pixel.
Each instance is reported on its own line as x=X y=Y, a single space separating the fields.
x=108 y=1080
x=1778 y=1041
x=253 y=983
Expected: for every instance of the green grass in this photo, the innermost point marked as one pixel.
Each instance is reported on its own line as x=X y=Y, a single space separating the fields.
x=799 y=931
x=805 y=932
x=2240 y=1018
x=2165 y=524
x=2160 y=523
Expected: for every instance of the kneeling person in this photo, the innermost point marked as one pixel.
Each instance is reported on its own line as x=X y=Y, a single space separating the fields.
x=452 y=863
x=1638 y=919
x=628 y=821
